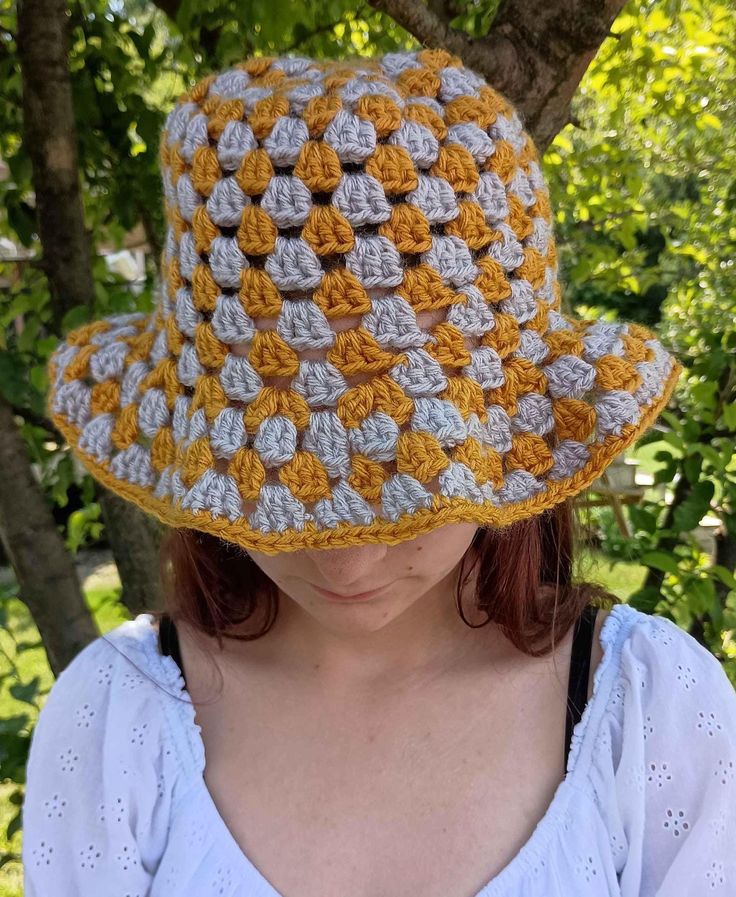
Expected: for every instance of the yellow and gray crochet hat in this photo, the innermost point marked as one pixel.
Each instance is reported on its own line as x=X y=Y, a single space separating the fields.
x=359 y=334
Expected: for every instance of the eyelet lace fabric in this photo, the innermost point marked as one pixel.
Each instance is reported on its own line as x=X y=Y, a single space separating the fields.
x=116 y=802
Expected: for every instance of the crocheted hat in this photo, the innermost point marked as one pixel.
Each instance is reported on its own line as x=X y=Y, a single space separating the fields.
x=358 y=335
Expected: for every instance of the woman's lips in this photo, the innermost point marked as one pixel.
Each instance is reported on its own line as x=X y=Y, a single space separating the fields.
x=355 y=596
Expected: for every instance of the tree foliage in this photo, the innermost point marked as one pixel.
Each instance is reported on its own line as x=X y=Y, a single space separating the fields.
x=645 y=192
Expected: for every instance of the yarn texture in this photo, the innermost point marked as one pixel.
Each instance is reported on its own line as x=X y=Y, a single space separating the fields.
x=358 y=334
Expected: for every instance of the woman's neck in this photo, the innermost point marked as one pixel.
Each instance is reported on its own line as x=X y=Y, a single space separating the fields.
x=358 y=650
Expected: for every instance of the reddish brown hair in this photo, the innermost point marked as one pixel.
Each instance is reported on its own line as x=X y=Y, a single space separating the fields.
x=524 y=583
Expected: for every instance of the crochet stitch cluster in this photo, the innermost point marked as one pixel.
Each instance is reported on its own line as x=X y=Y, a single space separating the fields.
x=359 y=333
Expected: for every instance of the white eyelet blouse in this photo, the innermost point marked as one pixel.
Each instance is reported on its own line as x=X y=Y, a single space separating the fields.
x=116 y=803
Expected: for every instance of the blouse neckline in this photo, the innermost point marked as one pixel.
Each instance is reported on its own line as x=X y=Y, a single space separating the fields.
x=611 y=637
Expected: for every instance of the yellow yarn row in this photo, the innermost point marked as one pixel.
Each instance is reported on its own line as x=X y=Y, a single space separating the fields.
x=319 y=167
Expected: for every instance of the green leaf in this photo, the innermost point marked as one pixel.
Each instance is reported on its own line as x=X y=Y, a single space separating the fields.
x=666 y=474
x=672 y=419
x=642 y=519
x=674 y=440
x=664 y=457
x=691 y=430
x=20 y=165
x=704 y=394
x=22 y=220
x=27 y=337
x=12 y=385
x=13 y=725
x=661 y=560
x=709 y=454
x=184 y=15
x=690 y=512
x=700 y=596
x=62 y=479
x=716 y=613
x=692 y=467
x=75 y=317
x=729 y=415
x=26 y=692
x=645 y=599
x=39 y=377
x=725 y=576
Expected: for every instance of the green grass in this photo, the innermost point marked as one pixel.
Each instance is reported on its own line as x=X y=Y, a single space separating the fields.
x=620 y=578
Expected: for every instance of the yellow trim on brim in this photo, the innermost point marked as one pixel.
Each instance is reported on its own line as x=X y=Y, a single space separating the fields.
x=443 y=511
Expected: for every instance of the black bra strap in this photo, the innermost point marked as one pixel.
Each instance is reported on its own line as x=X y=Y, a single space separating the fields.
x=168 y=641
x=577 y=692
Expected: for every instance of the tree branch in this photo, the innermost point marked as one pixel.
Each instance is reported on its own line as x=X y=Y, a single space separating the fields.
x=535 y=54
x=441 y=9
x=426 y=25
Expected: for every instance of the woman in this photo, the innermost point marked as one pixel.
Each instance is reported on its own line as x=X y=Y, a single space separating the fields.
x=363 y=414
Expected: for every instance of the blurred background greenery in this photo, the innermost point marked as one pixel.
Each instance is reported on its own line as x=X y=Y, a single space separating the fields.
x=643 y=183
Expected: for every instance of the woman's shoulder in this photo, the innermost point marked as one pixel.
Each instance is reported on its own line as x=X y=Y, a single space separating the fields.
x=663 y=694
x=656 y=653
x=655 y=686
x=120 y=690
x=126 y=658
x=107 y=766
x=662 y=755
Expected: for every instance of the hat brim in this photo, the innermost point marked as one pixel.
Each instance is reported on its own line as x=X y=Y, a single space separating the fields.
x=77 y=398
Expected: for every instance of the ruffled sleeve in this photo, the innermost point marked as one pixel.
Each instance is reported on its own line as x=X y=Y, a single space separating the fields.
x=99 y=781
x=670 y=792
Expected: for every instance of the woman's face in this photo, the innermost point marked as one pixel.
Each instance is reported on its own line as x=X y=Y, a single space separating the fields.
x=368 y=586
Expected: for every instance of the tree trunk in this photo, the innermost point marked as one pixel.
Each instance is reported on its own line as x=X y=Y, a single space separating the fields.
x=50 y=135
x=134 y=539
x=49 y=585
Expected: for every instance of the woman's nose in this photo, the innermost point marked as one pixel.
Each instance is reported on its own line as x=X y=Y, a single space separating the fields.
x=345 y=566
